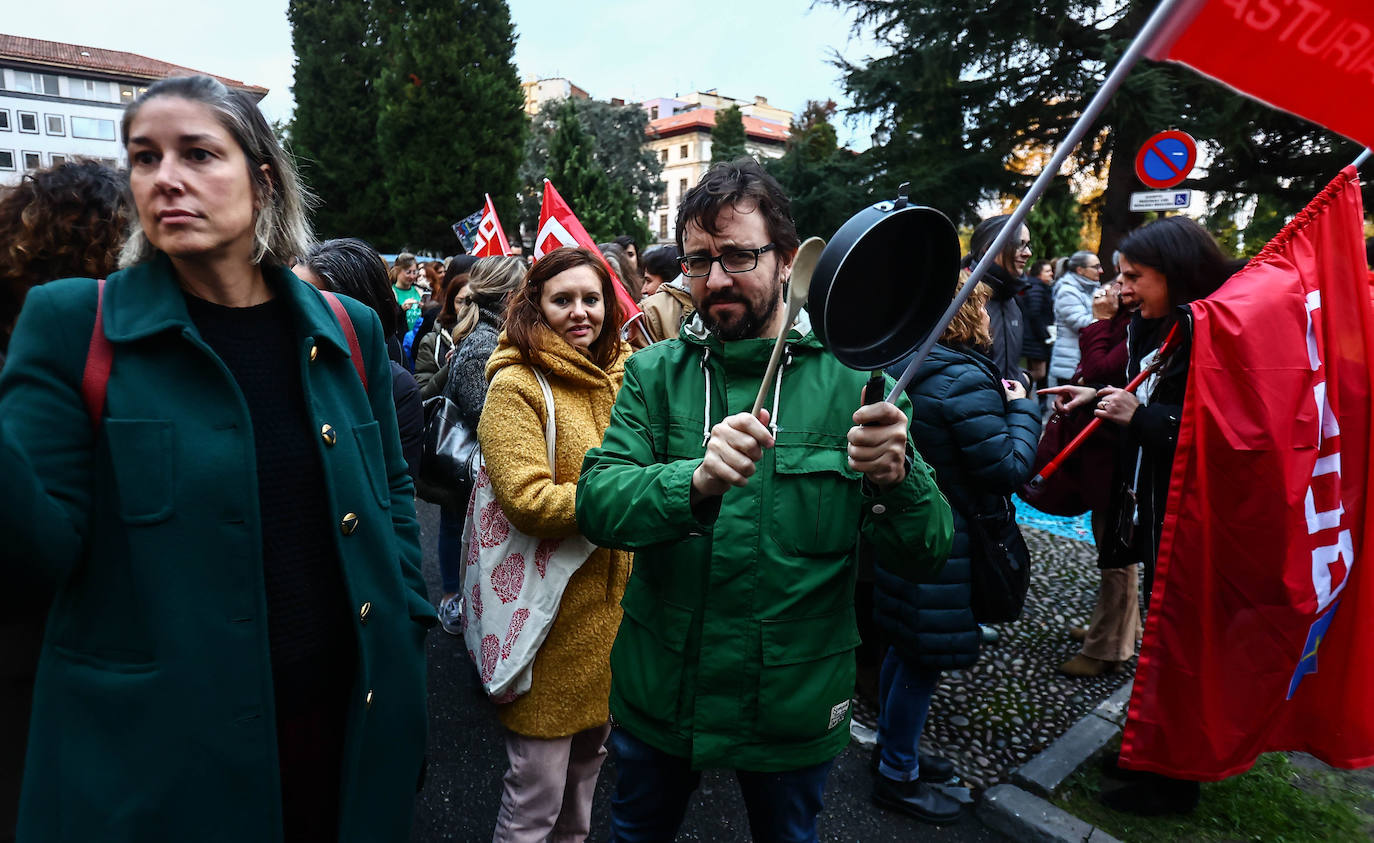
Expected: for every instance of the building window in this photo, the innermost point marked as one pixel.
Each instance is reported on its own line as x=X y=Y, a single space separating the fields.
x=653 y=113
x=109 y=162
x=54 y=159
x=5 y=120
x=32 y=160
x=28 y=121
x=35 y=83
x=663 y=226
x=90 y=89
x=682 y=151
x=663 y=156
x=126 y=93
x=681 y=187
x=94 y=128
x=6 y=159
x=53 y=123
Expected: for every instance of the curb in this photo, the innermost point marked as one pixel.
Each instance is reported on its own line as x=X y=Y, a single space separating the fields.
x=1019 y=809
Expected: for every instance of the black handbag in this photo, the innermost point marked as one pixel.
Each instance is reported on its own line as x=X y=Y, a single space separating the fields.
x=450 y=455
x=999 y=564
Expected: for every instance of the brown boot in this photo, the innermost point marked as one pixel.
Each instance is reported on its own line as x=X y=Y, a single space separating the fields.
x=1081 y=665
x=1078 y=633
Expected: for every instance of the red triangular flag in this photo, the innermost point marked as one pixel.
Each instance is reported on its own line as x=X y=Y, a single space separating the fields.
x=490 y=241
x=1315 y=60
x=558 y=227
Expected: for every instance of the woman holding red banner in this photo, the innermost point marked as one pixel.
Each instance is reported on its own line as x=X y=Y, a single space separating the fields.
x=1164 y=266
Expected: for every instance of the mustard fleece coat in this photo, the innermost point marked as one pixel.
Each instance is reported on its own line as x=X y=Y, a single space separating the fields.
x=571 y=682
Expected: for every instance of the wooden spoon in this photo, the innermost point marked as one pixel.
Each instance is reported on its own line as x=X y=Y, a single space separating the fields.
x=797 y=289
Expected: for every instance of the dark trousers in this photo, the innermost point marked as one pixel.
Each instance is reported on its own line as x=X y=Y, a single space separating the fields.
x=652 y=789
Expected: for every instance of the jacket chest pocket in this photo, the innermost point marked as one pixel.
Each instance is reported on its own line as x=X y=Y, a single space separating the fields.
x=815 y=508
x=369 y=439
x=143 y=455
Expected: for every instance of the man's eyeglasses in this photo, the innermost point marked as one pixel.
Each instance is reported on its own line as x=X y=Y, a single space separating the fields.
x=732 y=261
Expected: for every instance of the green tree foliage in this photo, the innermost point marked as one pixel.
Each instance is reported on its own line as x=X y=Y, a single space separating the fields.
x=1056 y=222
x=612 y=138
x=604 y=206
x=451 y=124
x=968 y=83
x=727 y=138
x=827 y=184
x=334 y=129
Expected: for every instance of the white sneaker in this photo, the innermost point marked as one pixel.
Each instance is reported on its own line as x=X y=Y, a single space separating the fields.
x=451 y=614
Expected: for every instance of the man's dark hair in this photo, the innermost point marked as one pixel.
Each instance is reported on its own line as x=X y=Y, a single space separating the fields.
x=1183 y=252
x=742 y=181
x=352 y=267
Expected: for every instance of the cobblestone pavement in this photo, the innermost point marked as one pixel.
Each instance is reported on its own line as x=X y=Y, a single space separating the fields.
x=993 y=717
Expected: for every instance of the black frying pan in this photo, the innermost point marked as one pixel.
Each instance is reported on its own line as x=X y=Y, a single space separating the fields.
x=883 y=282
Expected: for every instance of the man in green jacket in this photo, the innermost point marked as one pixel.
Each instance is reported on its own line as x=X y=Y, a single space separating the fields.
x=737 y=645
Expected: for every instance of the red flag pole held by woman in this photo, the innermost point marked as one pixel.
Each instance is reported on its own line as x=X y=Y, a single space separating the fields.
x=1053 y=465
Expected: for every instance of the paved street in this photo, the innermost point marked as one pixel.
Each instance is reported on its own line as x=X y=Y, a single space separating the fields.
x=467 y=759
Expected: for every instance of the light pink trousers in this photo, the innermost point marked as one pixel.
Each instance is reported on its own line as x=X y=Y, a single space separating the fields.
x=549 y=787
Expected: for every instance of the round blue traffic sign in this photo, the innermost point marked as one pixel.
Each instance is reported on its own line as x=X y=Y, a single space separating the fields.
x=1166 y=159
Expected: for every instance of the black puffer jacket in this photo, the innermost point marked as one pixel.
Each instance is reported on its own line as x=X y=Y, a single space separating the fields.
x=981 y=446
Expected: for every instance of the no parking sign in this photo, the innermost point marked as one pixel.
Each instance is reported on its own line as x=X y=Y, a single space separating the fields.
x=1166 y=159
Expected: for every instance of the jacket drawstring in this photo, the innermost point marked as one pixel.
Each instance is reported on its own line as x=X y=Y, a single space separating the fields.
x=777 y=391
x=706 y=419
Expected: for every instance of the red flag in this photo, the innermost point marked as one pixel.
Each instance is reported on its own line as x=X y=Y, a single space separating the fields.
x=1314 y=58
x=558 y=227
x=490 y=241
x=1261 y=628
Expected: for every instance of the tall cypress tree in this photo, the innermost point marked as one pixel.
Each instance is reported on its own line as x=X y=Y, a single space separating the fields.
x=452 y=122
x=605 y=207
x=727 y=138
x=334 y=129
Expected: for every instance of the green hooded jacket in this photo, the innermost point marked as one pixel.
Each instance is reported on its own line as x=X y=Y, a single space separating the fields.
x=737 y=645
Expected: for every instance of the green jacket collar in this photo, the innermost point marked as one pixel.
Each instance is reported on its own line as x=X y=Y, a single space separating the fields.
x=800 y=336
x=145 y=299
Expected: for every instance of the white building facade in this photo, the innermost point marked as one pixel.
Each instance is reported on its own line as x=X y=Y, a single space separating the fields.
x=64 y=101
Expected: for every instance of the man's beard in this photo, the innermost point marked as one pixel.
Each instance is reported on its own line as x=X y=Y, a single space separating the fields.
x=748 y=324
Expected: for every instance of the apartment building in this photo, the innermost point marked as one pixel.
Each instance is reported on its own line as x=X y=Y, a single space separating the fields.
x=63 y=101
x=679 y=133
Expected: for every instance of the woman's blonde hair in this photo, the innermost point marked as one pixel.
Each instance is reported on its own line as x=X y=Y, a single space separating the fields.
x=281 y=225
x=967 y=327
x=489 y=282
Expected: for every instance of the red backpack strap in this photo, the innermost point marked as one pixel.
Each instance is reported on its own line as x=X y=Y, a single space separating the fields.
x=354 y=348
x=99 y=361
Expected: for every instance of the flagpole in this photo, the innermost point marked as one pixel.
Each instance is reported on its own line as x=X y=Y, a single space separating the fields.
x=1363 y=157
x=1158 y=18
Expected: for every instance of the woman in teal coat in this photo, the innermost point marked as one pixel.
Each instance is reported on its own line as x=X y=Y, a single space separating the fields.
x=235 y=651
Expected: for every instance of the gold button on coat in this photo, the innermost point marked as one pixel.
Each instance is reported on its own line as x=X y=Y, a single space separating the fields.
x=328 y=435
x=364 y=612
x=349 y=524
x=367 y=700
x=314 y=352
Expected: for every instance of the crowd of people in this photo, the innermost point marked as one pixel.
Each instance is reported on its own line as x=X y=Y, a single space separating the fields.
x=231 y=385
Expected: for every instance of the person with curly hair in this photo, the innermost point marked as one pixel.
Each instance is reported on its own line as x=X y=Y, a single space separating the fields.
x=63 y=221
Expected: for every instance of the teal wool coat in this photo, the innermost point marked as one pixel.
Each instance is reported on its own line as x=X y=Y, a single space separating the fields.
x=153 y=710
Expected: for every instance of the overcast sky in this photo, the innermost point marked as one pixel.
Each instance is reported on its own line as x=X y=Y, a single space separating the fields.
x=779 y=49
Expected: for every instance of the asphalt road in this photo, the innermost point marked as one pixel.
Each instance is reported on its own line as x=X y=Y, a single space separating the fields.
x=467 y=759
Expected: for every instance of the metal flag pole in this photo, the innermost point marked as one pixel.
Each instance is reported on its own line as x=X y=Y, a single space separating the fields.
x=1147 y=34
x=1363 y=157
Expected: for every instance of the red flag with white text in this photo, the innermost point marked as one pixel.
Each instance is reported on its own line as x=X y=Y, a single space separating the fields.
x=558 y=227
x=490 y=240
x=1260 y=635
x=1313 y=58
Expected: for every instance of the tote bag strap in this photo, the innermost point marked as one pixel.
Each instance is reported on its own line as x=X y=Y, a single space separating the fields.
x=550 y=429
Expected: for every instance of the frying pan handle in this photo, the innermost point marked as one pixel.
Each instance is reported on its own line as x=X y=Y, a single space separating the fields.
x=873 y=390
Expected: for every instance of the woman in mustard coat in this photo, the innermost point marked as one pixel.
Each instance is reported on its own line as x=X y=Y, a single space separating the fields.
x=562 y=320
x=235 y=649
